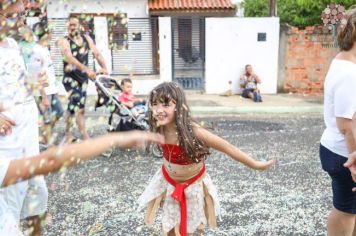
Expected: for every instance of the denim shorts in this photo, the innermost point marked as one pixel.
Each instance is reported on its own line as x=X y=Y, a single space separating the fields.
x=245 y=92
x=55 y=111
x=341 y=181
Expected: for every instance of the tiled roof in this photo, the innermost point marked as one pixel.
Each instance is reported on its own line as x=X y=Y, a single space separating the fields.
x=174 y=5
x=34 y=4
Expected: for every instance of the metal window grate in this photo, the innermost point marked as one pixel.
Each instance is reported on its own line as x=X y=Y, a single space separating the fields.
x=188 y=56
x=140 y=57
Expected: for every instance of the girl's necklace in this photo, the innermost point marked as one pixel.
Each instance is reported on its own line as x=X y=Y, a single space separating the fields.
x=169 y=158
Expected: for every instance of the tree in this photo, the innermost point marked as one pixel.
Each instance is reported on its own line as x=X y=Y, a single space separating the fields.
x=299 y=13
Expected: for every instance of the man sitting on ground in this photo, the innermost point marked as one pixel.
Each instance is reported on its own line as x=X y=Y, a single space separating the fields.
x=248 y=83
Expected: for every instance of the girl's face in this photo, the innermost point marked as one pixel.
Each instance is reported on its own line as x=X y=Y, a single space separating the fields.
x=164 y=112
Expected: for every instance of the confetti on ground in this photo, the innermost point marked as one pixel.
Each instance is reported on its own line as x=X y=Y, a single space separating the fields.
x=294 y=198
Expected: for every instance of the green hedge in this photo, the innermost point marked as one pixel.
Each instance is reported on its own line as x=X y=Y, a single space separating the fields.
x=299 y=13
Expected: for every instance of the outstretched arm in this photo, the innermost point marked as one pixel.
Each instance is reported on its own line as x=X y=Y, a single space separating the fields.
x=222 y=145
x=55 y=158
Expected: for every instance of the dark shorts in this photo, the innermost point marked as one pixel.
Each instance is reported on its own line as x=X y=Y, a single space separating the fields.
x=54 y=112
x=343 y=198
x=77 y=94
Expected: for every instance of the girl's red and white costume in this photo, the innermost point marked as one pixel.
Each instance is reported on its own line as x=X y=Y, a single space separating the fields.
x=185 y=191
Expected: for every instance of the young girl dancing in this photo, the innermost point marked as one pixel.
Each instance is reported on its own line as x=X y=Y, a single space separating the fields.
x=181 y=186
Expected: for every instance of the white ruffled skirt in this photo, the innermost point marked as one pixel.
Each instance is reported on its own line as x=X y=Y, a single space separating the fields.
x=201 y=198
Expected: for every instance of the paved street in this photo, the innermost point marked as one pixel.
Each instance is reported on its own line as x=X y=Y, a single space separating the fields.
x=99 y=197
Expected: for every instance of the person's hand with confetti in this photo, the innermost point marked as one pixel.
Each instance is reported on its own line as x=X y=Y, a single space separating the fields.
x=6 y=125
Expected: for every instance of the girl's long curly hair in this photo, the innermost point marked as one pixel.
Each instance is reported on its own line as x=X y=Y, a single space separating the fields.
x=191 y=146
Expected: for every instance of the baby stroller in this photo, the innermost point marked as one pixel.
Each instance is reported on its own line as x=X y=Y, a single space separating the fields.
x=121 y=118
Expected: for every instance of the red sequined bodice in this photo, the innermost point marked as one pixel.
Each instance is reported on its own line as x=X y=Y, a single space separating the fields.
x=176 y=154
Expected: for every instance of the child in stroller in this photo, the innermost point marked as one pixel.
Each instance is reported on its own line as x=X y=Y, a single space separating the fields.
x=124 y=115
x=121 y=117
x=136 y=105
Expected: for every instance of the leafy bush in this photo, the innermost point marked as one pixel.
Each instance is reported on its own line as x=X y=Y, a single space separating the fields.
x=299 y=13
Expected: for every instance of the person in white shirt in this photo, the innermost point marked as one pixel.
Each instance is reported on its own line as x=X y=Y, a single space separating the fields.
x=337 y=141
x=8 y=224
x=14 y=170
x=19 y=104
x=54 y=112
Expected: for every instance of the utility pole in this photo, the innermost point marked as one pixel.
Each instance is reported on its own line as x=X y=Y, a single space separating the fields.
x=272 y=7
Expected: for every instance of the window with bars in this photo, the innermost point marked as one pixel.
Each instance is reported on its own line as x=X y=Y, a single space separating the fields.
x=118 y=32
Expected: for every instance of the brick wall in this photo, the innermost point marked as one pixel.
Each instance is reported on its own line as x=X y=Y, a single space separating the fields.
x=307 y=58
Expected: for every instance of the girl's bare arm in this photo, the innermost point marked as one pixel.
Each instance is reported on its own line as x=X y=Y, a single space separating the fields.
x=224 y=146
x=57 y=157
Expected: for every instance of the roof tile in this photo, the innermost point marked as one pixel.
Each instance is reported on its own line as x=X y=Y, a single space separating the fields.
x=155 y=5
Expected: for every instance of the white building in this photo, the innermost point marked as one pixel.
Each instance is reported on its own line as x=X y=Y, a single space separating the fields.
x=152 y=42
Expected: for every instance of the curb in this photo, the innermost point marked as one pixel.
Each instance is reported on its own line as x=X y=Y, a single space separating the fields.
x=197 y=110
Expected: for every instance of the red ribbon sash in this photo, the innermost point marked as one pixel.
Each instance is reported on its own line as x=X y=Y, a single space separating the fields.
x=179 y=196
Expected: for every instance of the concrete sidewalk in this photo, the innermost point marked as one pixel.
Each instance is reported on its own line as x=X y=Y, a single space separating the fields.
x=206 y=104
x=279 y=103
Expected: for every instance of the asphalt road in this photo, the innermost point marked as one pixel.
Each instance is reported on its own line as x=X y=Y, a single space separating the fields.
x=99 y=197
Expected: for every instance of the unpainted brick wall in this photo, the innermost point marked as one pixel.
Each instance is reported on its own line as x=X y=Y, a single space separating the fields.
x=308 y=55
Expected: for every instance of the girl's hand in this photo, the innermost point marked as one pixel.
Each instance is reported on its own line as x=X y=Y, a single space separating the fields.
x=264 y=165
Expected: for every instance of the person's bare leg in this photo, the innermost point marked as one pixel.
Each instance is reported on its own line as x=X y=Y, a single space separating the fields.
x=80 y=118
x=171 y=233
x=69 y=126
x=34 y=224
x=354 y=232
x=340 y=223
x=46 y=133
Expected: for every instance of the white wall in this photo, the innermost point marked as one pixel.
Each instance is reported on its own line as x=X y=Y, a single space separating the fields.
x=165 y=51
x=62 y=9
x=231 y=43
x=165 y=43
x=102 y=40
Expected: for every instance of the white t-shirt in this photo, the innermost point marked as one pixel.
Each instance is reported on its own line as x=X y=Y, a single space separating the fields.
x=12 y=75
x=8 y=224
x=41 y=60
x=339 y=101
